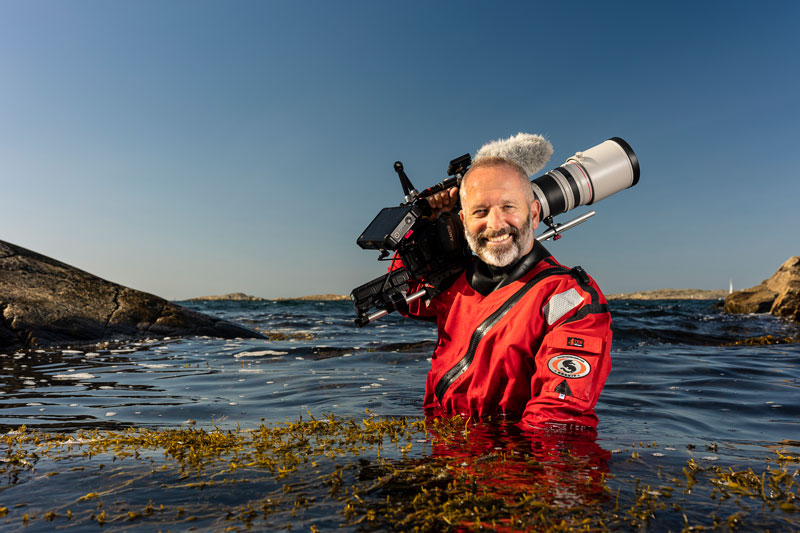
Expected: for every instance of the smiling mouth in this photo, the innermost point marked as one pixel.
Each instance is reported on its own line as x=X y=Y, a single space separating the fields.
x=500 y=239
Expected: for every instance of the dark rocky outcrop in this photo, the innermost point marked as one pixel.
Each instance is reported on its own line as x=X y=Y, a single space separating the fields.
x=44 y=302
x=779 y=295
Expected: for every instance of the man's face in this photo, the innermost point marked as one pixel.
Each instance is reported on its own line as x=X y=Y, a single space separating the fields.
x=498 y=221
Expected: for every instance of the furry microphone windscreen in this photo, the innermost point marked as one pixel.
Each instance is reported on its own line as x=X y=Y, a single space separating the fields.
x=531 y=152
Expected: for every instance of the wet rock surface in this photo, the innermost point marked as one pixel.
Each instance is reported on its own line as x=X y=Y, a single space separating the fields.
x=44 y=302
x=779 y=295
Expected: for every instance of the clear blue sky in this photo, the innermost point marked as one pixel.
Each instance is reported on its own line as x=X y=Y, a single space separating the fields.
x=187 y=148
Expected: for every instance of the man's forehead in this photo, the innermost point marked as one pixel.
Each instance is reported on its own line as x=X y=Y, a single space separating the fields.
x=498 y=180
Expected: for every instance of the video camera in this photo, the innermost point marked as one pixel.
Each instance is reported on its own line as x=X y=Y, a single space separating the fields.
x=434 y=251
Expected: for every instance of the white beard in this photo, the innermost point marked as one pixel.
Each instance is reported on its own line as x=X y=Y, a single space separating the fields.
x=501 y=256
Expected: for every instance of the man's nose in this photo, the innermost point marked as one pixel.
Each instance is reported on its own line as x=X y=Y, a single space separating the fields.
x=495 y=219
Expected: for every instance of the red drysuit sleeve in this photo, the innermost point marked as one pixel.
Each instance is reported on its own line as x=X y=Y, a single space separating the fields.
x=573 y=360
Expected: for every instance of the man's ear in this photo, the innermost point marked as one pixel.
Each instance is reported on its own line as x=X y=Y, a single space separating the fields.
x=461 y=215
x=536 y=209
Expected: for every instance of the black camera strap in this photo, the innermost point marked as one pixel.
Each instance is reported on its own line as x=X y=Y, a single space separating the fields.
x=486 y=279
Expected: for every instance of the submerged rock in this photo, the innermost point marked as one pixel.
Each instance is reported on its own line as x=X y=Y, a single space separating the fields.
x=779 y=295
x=46 y=302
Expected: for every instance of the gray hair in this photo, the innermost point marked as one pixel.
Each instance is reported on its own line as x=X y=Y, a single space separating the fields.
x=496 y=162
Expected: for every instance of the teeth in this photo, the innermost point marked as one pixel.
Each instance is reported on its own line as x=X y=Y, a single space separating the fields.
x=498 y=239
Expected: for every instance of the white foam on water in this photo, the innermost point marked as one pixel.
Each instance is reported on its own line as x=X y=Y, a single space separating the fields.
x=74 y=441
x=154 y=365
x=74 y=376
x=111 y=413
x=252 y=370
x=259 y=354
x=72 y=351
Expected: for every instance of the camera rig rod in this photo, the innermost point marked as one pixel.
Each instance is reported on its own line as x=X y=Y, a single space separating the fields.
x=383 y=312
x=555 y=230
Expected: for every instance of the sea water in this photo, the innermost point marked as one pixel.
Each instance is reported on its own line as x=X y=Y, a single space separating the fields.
x=682 y=400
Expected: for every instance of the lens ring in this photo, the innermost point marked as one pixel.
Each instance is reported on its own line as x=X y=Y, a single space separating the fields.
x=539 y=194
x=566 y=190
x=631 y=157
x=584 y=176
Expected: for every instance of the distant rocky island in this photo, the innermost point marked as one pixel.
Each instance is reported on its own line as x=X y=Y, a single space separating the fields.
x=233 y=296
x=319 y=297
x=670 y=294
x=242 y=297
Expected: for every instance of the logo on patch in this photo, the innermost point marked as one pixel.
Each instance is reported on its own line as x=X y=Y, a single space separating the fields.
x=569 y=366
x=575 y=341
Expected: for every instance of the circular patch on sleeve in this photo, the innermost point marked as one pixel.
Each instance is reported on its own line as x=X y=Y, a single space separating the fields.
x=569 y=366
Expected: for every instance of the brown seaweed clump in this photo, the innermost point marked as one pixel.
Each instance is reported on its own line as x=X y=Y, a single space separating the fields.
x=764 y=340
x=373 y=473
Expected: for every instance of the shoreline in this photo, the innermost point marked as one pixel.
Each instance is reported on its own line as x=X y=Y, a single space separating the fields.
x=241 y=297
x=656 y=294
x=670 y=294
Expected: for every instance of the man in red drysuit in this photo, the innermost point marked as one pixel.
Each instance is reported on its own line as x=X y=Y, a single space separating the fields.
x=519 y=334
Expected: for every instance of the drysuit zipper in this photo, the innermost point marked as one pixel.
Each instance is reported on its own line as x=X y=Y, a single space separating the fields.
x=463 y=364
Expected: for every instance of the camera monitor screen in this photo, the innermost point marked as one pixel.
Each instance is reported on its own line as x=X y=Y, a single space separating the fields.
x=388 y=228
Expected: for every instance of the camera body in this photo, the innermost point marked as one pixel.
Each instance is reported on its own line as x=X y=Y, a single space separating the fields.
x=430 y=249
x=423 y=244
